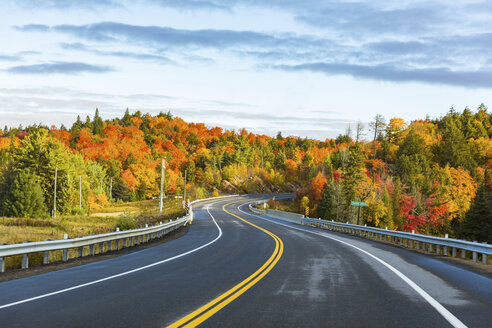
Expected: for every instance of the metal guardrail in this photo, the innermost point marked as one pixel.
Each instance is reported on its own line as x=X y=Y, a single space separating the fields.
x=437 y=245
x=128 y=238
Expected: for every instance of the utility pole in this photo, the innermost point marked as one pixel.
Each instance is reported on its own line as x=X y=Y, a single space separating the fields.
x=358 y=215
x=80 y=192
x=184 y=192
x=162 y=184
x=262 y=156
x=54 y=195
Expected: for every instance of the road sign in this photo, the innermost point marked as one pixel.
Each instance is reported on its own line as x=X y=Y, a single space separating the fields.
x=359 y=204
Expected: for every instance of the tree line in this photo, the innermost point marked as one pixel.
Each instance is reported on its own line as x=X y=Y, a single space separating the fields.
x=430 y=176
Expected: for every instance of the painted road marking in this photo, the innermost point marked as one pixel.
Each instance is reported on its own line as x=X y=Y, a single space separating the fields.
x=119 y=274
x=203 y=313
x=454 y=321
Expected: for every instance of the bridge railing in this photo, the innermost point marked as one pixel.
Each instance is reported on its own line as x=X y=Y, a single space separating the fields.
x=112 y=240
x=431 y=244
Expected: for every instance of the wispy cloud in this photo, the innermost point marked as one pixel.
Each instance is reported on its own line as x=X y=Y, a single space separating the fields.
x=59 y=68
x=122 y=54
x=389 y=73
x=4 y=57
x=18 y=56
x=159 y=36
x=66 y=4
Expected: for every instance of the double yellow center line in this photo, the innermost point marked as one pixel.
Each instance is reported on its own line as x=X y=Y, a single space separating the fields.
x=200 y=315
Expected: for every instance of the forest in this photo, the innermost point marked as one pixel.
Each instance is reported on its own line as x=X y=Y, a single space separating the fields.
x=430 y=176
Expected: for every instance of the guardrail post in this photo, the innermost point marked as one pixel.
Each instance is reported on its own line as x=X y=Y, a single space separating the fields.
x=438 y=249
x=101 y=248
x=475 y=257
x=411 y=244
x=124 y=243
x=117 y=244
x=65 y=255
x=91 y=249
x=454 y=252
x=431 y=248
x=25 y=261
x=446 y=253
x=81 y=251
x=417 y=244
x=2 y=264
x=485 y=258
x=110 y=245
x=46 y=257
x=463 y=254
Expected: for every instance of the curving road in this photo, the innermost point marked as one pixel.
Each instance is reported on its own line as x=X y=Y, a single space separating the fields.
x=237 y=269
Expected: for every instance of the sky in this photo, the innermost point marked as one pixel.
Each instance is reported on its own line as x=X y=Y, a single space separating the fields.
x=306 y=68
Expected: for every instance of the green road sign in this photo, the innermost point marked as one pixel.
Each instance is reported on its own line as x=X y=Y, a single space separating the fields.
x=359 y=204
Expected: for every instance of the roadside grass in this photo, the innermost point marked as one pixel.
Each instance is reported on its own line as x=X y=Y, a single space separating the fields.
x=286 y=205
x=128 y=216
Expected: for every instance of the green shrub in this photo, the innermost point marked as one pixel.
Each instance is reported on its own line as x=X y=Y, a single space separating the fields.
x=126 y=222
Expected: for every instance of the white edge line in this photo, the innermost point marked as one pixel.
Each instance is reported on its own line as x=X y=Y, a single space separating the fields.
x=119 y=274
x=454 y=321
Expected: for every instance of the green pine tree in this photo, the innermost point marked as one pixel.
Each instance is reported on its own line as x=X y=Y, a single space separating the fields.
x=24 y=197
x=477 y=224
x=98 y=125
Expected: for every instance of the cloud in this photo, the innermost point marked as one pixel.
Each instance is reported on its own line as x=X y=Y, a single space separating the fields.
x=59 y=68
x=193 y=4
x=444 y=76
x=18 y=56
x=379 y=40
x=66 y=4
x=158 y=37
x=32 y=28
x=4 y=57
x=122 y=54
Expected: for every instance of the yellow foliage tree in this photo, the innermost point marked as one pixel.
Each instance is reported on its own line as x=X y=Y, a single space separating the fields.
x=395 y=129
x=375 y=211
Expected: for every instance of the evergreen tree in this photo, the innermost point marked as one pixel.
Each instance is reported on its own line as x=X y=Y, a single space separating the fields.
x=354 y=172
x=477 y=224
x=413 y=160
x=88 y=123
x=24 y=198
x=98 y=124
x=327 y=208
x=75 y=132
x=126 y=118
x=453 y=150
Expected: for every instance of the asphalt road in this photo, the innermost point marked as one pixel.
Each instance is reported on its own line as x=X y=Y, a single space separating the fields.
x=236 y=269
